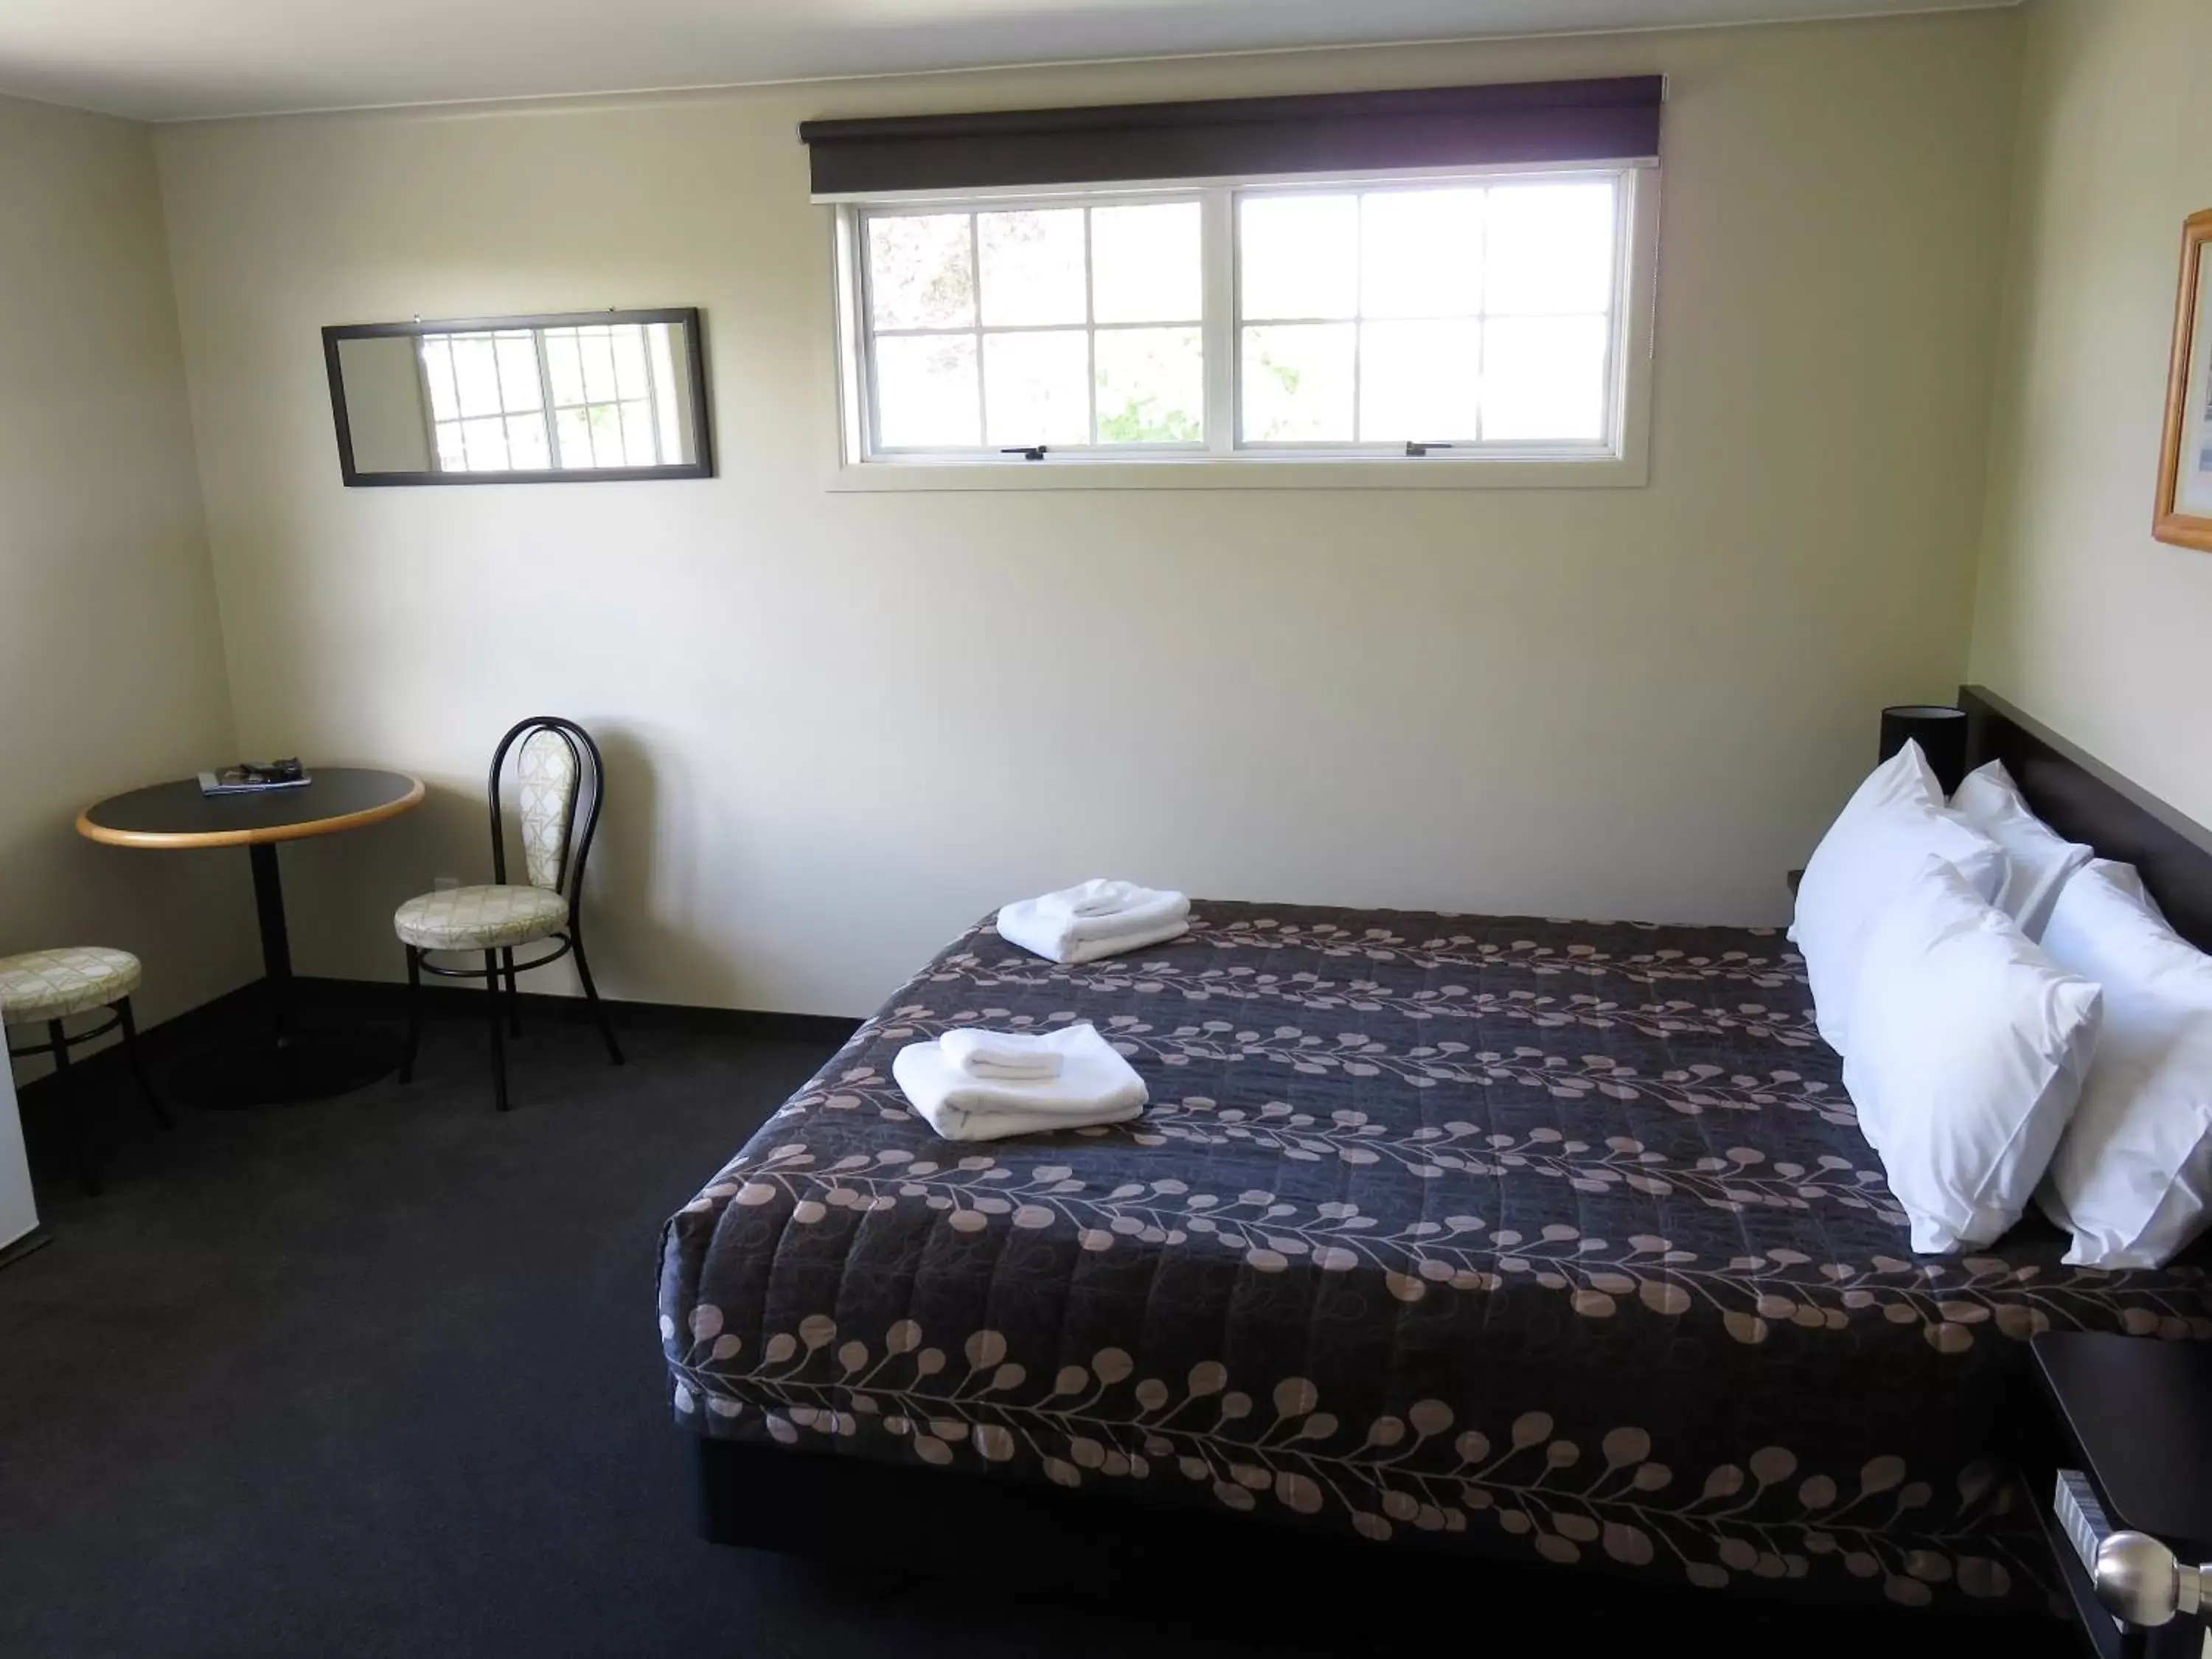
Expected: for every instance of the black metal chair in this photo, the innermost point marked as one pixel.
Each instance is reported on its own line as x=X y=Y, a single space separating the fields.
x=44 y=987
x=558 y=769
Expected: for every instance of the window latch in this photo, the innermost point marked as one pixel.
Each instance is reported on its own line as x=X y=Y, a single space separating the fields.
x=1414 y=450
x=1027 y=452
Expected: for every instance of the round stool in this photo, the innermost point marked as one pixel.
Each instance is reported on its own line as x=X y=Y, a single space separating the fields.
x=44 y=987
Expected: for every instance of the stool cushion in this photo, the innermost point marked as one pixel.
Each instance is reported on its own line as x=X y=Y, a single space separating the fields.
x=480 y=918
x=43 y=985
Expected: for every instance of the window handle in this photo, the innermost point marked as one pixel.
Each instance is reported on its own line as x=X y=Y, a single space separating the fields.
x=1415 y=450
x=1027 y=452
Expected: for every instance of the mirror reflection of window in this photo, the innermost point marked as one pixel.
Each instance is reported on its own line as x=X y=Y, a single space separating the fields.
x=612 y=389
x=576 y=395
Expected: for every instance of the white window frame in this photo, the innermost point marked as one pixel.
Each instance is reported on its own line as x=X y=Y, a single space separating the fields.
x=1620 y=459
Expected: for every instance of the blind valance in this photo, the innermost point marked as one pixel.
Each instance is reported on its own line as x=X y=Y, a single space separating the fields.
x=1519 y=122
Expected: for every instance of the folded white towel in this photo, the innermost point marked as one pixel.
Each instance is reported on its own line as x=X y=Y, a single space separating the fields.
x=1048 y=928
x=1096 y=897
x=1004 y=1055
x=1095 y=1086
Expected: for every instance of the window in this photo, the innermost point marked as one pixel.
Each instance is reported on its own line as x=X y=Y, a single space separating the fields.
x=1482 y=316
x=1441 y=315
x=1020 y=327
x=611 y=390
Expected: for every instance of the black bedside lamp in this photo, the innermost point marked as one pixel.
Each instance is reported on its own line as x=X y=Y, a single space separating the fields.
x=1938 y=728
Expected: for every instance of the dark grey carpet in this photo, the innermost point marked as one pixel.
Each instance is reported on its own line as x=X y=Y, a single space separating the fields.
x=379 y=1376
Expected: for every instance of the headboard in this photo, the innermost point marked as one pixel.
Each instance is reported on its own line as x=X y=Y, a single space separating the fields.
x=2085 y=800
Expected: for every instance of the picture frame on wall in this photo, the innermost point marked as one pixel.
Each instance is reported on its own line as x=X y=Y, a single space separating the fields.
x=2185 y=462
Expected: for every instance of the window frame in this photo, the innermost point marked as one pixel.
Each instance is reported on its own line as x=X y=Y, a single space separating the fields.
x=1225 y=459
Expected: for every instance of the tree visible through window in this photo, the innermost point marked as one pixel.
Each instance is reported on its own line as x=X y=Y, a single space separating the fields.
x=1060 y=326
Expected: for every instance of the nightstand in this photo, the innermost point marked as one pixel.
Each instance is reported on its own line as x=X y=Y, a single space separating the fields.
x=2134 y=1420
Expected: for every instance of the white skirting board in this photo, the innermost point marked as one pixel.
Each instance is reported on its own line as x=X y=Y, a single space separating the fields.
x=19 y=1216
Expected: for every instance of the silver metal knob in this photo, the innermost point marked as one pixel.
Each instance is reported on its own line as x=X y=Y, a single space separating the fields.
x=2140 y=1580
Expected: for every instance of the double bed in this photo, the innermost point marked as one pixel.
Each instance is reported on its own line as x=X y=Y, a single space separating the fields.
x=1543 y=1239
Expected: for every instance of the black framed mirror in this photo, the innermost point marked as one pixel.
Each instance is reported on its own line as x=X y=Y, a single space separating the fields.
x=566 y=398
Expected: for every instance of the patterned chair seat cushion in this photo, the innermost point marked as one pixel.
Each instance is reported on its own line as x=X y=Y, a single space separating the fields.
x=43 y=985
x=480 y=918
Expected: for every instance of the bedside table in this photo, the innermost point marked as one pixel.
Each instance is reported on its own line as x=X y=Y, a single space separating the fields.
x=2135 y=1417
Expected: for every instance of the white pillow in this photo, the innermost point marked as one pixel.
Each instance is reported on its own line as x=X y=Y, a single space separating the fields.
x=1871 y=852
x=2038 y=858
x=2132 y=1181
x=1968 y=1049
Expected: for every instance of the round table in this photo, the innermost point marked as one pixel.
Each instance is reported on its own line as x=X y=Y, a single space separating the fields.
x=294 y=1065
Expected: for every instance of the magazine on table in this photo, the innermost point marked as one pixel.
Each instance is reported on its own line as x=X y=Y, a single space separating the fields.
x=255 y=778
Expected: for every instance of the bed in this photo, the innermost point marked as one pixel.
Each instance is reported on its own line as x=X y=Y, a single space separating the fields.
x=1544 y=1239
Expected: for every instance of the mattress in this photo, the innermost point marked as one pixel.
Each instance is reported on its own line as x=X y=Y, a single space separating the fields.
x=1549 y=1238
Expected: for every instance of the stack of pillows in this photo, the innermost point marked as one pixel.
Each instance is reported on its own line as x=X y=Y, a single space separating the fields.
x=2017 y=1020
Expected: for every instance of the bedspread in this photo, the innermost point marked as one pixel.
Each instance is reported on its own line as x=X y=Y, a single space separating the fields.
x=1537 y=1236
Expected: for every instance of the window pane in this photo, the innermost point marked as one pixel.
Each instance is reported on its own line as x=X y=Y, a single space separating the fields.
x=1550 y=249
x=574 y=428
x=925 y=392
x=637 y=432
x=1297 y=384
x=598 y=353
x=1420 y=253
x=566 y=365
x=484 y=443
x=477 y=372
x=518 y=370
x=629 y=341
x=918 y=271
x=1299 y=256
x=1544 y=377
x=1144 y=264
x=1032 y=266
x=525 y=443
x=1151 y=386
x=1033 y=388
x=438 y=372
x=606 y=434
x=452 y=457
x=1418 y=380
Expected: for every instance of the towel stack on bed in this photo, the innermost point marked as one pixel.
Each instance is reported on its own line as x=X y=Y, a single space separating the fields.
x=985 y=1085
x=1099 y=918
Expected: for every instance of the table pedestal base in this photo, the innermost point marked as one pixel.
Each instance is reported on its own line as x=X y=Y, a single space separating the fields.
x=290 y=1062
x=236 y=1072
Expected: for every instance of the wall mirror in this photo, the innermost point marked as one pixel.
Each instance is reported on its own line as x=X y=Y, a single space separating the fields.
x=564 y=399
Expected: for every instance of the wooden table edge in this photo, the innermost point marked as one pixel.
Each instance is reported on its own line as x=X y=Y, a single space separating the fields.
x=367 y=815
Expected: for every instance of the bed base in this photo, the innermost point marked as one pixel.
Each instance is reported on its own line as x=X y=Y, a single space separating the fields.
x=891 y=1522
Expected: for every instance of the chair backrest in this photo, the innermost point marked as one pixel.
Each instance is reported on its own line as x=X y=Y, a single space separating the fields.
x=557 y=769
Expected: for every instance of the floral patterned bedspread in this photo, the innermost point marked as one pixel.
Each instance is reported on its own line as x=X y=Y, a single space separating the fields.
x=1556 y=1238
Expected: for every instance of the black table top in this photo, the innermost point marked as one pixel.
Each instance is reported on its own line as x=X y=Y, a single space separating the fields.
x=2140 y=1411
x=176 y=814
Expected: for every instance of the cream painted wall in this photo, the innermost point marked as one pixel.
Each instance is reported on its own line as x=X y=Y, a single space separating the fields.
x=842 y=725
x=2082 y=618
x=112 y=672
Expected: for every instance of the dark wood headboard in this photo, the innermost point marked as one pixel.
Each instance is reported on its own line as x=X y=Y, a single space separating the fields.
x=2085 y=800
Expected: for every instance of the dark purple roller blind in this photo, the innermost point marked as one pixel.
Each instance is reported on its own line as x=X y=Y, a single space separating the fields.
x=1611 y=120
